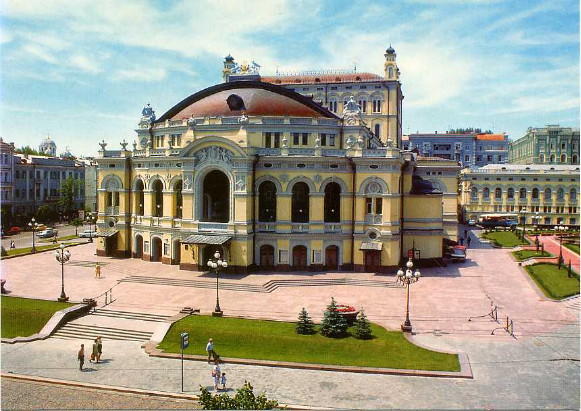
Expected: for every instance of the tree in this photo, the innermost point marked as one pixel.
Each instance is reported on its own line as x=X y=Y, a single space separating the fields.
x=333 y=325
x=27 y=150
x=362 y=327
x=45 y=213
x=3 y=252
x=305 y=325
x=69 y=188
x=76 y=222
x=245 y=399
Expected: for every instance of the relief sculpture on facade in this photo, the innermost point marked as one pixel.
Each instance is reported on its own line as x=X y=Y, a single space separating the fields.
x=214 y=154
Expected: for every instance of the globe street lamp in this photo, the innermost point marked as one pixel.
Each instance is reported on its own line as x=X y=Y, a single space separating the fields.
x=408 y=277
x=91 y=219
x=560 y=231
x=216 y=264
x=523 y=212
x=536 y=221
x=34 y=226
x=62 y=256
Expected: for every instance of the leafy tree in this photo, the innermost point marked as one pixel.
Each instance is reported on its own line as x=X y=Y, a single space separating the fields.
x=27 y=150
x=69 y=188
x=362 y=327
x=45 y=213
x=245 y=399
x=3 y=252
x=76 y=222
x=333 y=325
x=305 y=325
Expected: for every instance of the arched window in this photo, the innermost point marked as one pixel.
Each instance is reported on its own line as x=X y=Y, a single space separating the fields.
x=332 y=203
x=390 y=72
x=112 y=188
x=158 y=198
x=362 y=104
x=548 y=194
x=573 y=195
x=377 y=131
x=498 y=193
x=474 y=193
x=216 y=197
x=267 y=202
x=560 y=194
x=536 y=193
x=333 y=104
x=179 y=199
x=376 y=104
x=510 y=193
x=485 y=192
x=300 y=203
x=541 y=158
x=552 y=158
x=140 y=203
x=563 y=158
x=574 y=159
x=522 y=193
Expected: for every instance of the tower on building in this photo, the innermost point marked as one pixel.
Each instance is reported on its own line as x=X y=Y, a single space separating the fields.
x=47 y=147
x=390 y=65
x=229 y=66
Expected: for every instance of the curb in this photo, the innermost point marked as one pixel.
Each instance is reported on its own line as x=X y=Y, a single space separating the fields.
x=8 y=257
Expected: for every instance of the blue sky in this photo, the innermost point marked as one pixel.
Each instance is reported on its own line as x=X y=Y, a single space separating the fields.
x=81 y=71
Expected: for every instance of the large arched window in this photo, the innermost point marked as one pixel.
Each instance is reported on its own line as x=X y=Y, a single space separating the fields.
x=332 y=203
x=376 y=104
x=574 y=159
x=158 y=198
x=560 y=194
x=563 y=158
x=300 y=203
x=522 y=193
x=267 y=202
x=140 y=198
x=485 y=192
x=541 y=158
x=179 y=203
x=552 y=158
x=216 y=197
x=535 y=193
x=510 y=193
x=377 y=131
x=548 y=194
x=474 y=193
x=362 y=101
x=497 y=193
x=112 y=185
x=573 y=195
x=333 y=104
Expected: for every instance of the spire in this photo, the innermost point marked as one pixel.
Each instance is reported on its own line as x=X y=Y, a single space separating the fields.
x=390 y=66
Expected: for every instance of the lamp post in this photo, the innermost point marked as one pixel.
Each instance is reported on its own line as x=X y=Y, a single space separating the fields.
x=559 y=231
x=62 y=256
x=34 y=226
x=536 y=221
x=91 y=219
x=408 y=277
x=523 y=212
x=216 y=264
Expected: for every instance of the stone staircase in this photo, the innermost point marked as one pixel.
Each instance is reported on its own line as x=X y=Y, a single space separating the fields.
x=112 y=325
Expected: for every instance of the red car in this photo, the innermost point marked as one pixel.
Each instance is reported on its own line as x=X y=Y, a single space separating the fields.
x=13 y=231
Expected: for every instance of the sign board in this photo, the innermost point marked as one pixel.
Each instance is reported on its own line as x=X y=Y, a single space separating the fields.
x=185 y=340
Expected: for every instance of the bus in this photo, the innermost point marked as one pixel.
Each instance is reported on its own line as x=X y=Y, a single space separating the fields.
x=498 y=220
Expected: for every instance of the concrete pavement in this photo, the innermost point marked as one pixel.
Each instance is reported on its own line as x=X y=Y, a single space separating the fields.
x=538 y=368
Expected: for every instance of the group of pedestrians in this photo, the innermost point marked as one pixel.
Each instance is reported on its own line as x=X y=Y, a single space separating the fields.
x=468 y=239
x=218 y=376
x=96 y=353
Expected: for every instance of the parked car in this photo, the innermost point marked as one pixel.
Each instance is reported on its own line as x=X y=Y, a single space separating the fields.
x=471 y=222
x=88 y=234
x=14 y=231
x=48 y=233
x=458 y=253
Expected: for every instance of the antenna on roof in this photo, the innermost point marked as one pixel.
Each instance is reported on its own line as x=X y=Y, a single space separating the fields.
x=354 y=67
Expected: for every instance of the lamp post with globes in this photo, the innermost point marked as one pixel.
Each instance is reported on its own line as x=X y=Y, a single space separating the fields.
x=91 y=219
x=408 y=277
x=559 y=231
x=34 y=226
x=216 y=264
x=537 y=221
x=62 y=256
x=523 y=217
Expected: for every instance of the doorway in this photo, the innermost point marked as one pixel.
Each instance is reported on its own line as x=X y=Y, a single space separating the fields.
x=300 y=257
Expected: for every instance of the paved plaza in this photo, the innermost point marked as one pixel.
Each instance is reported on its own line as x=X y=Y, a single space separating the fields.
x=537 y=368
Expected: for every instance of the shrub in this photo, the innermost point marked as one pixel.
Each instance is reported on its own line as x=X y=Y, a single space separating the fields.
x=3 y=253
x=333 y=325
x=243 y=400
x=362 y=327
x=305 y=325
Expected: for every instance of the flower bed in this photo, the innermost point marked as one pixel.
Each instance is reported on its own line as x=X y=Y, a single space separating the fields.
x=348 y=312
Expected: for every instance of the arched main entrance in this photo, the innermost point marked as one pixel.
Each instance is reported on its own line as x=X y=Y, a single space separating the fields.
x=332 y=258
x=300 y=257
x=216 y=197
x=156 y=250
x=138 y=247
x=266 y=257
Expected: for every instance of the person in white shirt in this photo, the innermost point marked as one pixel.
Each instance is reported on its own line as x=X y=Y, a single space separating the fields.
x=210 y=350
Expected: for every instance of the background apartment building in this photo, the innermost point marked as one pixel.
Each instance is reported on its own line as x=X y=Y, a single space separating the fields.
x=552 y=144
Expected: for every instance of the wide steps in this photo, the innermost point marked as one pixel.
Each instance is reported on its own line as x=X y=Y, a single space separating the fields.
x=225 y=285
x=83 y=331
x=130 y=315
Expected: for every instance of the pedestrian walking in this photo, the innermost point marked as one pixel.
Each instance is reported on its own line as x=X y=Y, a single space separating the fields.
x=99 y=348
x=12 y=245
x=223 y=380
x=216 y=376
x=95 y=352
x=97 y=270
x=81 y=357
x=210 y=349
x=461 y=241
x=465 y=233
x=469 y=241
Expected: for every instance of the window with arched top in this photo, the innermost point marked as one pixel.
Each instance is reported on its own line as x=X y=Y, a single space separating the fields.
x=573 y=195
x=541 y=158
x=333 y=104
x=535 y=193
x=157 y=198
x=300 y=203
x=548 y=194
x=376 y=104
x=560 y=194
x=112 y=187
x=390 y=72
x=474 y=193
x=267 y=202
x=574 y=159
x=332 y=203
x=140 y=203
x=498 y=193
x=552 y=158
x=522 y=193
x=563 y=158
x=510 y=193
x=377 y=131
x=362 y=104
x=485 y=192
x=179 y=200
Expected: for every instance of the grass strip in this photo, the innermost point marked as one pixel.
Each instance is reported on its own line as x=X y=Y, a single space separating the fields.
x=572 y=247
x=22 y=317
x=278 y=341
x=554 y=282
x=525 y=254
x=505 y=238
x=26 y=250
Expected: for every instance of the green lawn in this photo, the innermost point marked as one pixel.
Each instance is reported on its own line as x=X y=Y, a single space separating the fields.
x=554 y=282
x=572 y=247
x=67 y=237
x=505 y=238
x=26 y=250
x=524 y=254
x=273 y=340
x=23 y=317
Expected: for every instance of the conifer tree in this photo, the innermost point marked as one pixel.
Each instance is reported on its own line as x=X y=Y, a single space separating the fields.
x=333 y=325
x=362 y=327
x=305 y=325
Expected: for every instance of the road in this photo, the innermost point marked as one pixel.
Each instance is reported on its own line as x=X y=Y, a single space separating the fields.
x=24 y=239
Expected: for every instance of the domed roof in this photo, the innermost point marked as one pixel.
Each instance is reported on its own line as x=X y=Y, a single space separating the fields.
x=253 y=98
x=390 y=50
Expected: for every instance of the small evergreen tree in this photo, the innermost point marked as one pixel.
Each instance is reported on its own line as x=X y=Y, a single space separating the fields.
x=362 y=327
x=333 y=325
x=305 y=325
x=3 y=253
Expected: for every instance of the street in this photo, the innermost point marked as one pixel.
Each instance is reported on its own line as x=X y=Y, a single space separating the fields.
x=24 y=239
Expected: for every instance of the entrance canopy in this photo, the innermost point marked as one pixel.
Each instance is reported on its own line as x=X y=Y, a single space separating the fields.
x=207 y=239
x=107 y=233
x=371 y=246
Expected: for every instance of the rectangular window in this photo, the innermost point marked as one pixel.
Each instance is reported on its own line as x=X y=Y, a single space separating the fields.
x=17 y=193
x=332 y=140
x=267 y=140
x=17 y=174
x=276 y=140
x=466 y=158
x=305 y=141
x=488 y=158
x=378 y=206
x=296 y=138
x=368 y=206
x=323 y=140
x=166 y=249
